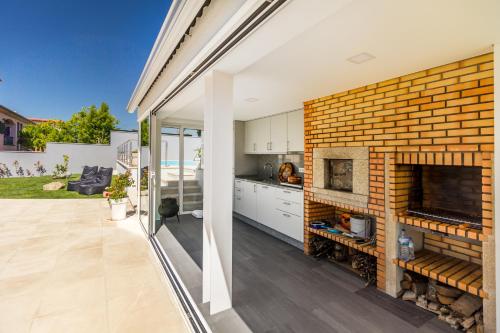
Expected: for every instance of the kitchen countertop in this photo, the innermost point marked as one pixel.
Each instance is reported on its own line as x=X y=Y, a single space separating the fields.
x=270 y=182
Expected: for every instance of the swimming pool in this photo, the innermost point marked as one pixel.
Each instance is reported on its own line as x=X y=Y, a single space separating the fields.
x=176 y=163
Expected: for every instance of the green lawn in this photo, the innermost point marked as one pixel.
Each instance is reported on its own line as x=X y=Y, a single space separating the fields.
x=32 y=188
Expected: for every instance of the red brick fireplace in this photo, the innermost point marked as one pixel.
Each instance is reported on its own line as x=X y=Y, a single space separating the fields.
x=432 y=129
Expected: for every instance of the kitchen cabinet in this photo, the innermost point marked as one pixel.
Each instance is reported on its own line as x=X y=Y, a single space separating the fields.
x=257 y=136
x=251 y=136
x=291 y=225
x=295 y=122
x=276 y=207
x=278 y=139
x=266 y=202
x=249 y=204
x=238 y=197
x=263 y=134
x=277 y=134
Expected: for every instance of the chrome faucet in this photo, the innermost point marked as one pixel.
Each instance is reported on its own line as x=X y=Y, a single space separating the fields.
x=265 y=169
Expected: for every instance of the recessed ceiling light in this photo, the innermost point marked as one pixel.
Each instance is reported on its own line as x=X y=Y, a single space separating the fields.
x=251 y=99
x=360 y=58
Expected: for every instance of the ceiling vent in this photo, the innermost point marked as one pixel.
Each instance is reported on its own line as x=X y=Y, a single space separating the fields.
x=361 y=58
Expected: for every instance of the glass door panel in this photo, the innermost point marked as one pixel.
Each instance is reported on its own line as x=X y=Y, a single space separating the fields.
x=192 y=167
x=170 y=165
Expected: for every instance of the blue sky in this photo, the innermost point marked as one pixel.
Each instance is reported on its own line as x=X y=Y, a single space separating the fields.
x=57 y=56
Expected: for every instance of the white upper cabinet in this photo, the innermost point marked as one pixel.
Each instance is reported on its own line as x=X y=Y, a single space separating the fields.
x=250 y=138
x=257 y=136
x=277 y=134
x=296 y=130
x=278 y=141
x=263 y=133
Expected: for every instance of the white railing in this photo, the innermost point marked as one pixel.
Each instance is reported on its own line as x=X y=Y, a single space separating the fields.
x=127 y=152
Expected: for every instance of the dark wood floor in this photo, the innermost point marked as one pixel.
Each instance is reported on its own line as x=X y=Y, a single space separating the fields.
x=276 y=288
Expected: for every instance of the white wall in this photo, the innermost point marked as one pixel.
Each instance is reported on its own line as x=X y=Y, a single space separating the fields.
x=79 y=154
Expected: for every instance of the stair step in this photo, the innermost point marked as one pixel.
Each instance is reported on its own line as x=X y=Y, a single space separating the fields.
x=188 y=189
x=175 y=183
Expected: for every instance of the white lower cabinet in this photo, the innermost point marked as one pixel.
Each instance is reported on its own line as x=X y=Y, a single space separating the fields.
x=249 y=208
x=291 y=225
x=275 y=207
x=238 y=197
x=266 y=198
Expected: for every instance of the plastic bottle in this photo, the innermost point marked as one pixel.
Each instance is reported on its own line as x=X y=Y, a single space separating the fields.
x=411 y=248
x=404 y=246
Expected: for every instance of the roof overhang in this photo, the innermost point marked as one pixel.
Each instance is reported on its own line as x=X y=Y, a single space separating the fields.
x=14 y=115
x=301 y=51
x=179 y=17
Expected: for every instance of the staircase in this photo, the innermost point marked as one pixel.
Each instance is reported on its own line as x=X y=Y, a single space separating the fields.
x=193 y=194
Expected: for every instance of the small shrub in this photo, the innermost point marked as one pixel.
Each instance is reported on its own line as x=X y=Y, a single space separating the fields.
x=118 y=188
x=29 y=173
x=5 y=171
x=61 y=170
x=18 y=169
x=39 y=168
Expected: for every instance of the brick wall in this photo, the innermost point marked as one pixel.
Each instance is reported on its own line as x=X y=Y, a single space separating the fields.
x=447 y=109
x=460 y=249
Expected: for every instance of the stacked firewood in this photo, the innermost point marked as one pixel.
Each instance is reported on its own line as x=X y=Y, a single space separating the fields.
x=363 y=264
x=461 y=310
x=366 y=266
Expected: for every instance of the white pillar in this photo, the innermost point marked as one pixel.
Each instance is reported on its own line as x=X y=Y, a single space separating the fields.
x=155 y=164
x=496 y=177
x=218 y=191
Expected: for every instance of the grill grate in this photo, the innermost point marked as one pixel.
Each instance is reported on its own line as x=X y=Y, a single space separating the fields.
x=448 y=217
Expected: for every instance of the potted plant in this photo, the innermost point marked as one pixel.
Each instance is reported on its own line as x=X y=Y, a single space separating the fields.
x=118 y=195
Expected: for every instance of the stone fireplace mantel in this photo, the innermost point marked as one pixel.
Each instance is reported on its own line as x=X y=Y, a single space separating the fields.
x=360 y=175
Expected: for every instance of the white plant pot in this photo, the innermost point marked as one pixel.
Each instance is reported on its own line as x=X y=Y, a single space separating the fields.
x=118 y=209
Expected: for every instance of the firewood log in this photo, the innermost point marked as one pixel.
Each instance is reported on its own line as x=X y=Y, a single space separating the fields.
x=405 y=284
x=419 y=287
x=468 y=322
x=431 y=293
x=445 y=300
x=467 y=304
x=409 y=296
x=447 y=291
x=407 y=277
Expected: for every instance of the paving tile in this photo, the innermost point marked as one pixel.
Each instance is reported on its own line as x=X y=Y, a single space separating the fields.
x=65 y=267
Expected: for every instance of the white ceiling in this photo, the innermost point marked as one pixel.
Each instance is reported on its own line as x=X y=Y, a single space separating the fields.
x=301 y=53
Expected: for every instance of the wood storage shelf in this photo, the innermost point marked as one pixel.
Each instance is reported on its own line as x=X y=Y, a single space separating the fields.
x=368 y=249
x=454 y=272
x=450 y=229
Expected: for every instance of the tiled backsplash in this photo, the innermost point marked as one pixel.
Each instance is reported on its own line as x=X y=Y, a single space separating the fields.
x=276 y=160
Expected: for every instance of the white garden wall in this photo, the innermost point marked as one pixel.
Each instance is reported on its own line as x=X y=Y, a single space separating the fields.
x=79 y=154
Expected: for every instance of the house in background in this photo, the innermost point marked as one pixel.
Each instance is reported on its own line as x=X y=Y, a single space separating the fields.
x=386 y=110
x=11 y=124
x=43 y=120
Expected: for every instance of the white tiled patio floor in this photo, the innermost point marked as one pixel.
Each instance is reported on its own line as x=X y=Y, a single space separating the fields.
x=64 y=267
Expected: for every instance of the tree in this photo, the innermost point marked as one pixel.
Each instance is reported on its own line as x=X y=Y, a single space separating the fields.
x=89 y=125
x=145 y=132
x=92 y=124
x=36 y=136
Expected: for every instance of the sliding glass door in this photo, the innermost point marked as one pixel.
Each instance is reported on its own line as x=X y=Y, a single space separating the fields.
x=192 y=170
x=144 y=174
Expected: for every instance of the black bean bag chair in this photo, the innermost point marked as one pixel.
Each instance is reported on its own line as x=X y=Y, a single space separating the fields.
x=88 y=174
x=99 y=184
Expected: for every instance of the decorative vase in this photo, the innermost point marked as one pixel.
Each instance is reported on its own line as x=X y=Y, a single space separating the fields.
x=118 y=209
